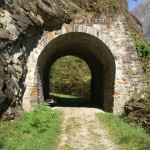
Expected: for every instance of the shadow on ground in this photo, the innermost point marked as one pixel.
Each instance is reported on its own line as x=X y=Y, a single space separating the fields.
x=74 y=102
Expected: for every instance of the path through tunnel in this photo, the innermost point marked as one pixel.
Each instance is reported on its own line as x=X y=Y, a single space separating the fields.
x=70 y=82
x=94 y=52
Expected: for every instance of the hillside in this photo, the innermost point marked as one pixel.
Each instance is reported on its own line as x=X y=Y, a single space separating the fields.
x=142 y=12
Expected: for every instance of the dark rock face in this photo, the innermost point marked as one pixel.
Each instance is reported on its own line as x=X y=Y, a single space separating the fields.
x=142 y=12
x=138 y=114
x=20 y=21
x=27 y=14
x=21 y=24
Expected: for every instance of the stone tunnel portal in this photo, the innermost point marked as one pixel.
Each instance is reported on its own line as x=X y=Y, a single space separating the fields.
x=94 y=52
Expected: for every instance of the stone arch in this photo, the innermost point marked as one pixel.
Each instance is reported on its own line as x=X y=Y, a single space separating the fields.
x=94 y=52
x=118 y=44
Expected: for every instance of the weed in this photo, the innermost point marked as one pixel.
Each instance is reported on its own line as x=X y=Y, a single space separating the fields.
x=16 y=5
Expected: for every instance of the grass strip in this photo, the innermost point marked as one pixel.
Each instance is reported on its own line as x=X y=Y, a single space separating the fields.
x=36 y=130
x=128 y=137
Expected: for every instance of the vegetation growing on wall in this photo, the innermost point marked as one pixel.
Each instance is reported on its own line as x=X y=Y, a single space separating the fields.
x=143 y=51
x=142 y=48
x=137 y=110
x=109 y=6
x=70 y=75
x=16 y=5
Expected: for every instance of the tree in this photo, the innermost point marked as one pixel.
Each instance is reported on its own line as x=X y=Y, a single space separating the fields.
x=70 y=75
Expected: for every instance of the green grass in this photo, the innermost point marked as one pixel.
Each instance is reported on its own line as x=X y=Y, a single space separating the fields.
x=130 y=138
x=63 y=95
x=35 y=131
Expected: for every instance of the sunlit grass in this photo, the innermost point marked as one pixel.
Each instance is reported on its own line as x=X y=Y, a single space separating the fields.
x=35 y=131
x=130 y=138
x=63 y=95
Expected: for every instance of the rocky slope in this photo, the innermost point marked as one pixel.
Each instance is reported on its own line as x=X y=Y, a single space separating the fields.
x=21 y=24
x=20 y=21
x=137 y=114
x=142 y=12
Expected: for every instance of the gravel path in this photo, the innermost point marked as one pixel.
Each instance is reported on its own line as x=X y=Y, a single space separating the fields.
x=81 y=130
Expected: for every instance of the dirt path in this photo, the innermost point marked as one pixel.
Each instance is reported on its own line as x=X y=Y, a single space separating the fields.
x=81 y=130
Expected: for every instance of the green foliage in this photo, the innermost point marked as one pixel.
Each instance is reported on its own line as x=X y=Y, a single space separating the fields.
x=146 y=68
x=36 y=130
x=142 y=48
x=115 y=3
x=110 y=7
x=70 y=75
x=16 y=5
x=128 y=137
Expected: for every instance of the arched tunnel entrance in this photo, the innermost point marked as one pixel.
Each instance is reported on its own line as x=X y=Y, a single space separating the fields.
x=94 y=52
x=70 y=83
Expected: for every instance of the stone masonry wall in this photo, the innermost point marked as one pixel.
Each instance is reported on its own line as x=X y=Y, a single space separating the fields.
x=114 y=33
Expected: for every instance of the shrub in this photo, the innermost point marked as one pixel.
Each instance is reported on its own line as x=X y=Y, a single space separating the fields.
x=142 y=48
